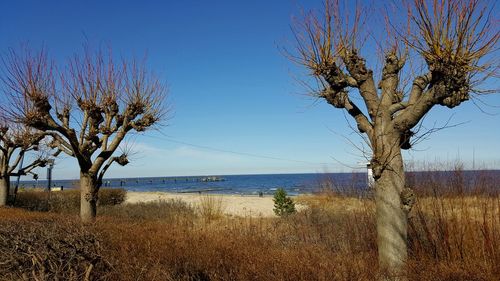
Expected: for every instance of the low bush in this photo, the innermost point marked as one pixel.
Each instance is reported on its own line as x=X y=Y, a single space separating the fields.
x=67 y=201
x=112 y=196
x=36 y=200
x=50 y=248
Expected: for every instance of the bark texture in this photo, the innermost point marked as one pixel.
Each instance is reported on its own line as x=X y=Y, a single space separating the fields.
x=88 y=197
x=391 y=217
x=4 y=190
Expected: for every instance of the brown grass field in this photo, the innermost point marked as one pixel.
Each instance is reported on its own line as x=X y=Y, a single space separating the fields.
x=452 y=236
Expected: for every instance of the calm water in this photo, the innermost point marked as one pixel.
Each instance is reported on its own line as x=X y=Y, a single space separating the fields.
x=229 y=184
x=267 y=184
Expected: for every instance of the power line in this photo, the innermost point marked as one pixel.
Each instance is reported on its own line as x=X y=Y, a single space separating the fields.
x=170 y=139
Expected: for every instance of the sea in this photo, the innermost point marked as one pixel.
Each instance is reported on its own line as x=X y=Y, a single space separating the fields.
x=256 y=184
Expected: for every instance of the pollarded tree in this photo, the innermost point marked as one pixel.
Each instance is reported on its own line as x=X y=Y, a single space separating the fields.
x=88 y=111
x=15 y=142
x=451 y=38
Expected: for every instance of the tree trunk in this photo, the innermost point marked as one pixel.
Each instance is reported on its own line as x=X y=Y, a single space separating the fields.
x=391 y=217
x=4 y=190
x=88 y=197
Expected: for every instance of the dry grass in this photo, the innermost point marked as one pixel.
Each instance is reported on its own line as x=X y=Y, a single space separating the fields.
x=211 y=207
x=48 y=247
x=453 y=237
x=172 y=211
x=309 y=246
x=336 y=203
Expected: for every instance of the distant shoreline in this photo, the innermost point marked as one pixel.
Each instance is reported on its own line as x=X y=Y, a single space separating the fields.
x=361 y=171
x=267 y=184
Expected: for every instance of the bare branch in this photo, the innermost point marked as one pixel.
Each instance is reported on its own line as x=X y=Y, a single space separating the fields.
x=16 y=162
x=390 y=79
x=356 y=66
x=17 y=140
x=39 y=162
x=453 y=37
x=419 y=136
x=328 y=43
x=341 y=100
x=111 y=98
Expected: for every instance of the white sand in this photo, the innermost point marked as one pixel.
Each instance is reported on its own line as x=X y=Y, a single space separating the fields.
x=233 y=205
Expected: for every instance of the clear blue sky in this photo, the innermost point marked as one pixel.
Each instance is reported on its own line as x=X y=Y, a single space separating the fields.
x=230 y=87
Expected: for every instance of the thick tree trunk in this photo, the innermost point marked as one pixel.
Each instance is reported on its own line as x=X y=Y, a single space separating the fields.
x=391 y=216
x=4 y=190
x=88 y=197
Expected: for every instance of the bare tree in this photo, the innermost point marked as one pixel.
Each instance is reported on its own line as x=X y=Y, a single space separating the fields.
x=88 y=112
x=452 y=38
x=15 y=142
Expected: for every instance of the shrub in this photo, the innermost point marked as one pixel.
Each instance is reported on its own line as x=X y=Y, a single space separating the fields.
x=283 y=205
x=66 y=201
x=112 y=196
x=49 y=249
x=211 y=207
x=35 y=200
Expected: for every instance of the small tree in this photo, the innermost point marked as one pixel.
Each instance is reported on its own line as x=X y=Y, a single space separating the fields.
x=283 y=205
x=88 y=111
x=451 y=39
x=15 y=142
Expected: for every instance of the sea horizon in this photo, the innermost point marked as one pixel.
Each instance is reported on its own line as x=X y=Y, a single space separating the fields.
x=361 y=171
x=293 y=183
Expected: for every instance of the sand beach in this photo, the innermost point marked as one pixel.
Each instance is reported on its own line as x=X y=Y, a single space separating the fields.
x=233 y=205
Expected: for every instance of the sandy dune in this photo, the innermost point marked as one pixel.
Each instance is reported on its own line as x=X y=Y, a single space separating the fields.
x=235 y=205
